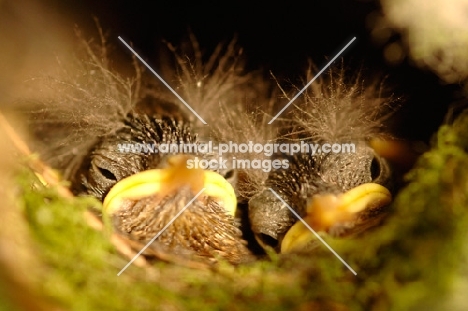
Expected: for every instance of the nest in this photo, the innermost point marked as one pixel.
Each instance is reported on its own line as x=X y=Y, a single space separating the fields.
x=409 y=262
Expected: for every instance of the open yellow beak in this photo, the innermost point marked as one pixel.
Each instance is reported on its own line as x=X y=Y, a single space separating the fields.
x=163 y=182
x=326 y=211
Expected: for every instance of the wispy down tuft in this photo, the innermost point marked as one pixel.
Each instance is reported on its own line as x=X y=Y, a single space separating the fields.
x=342 y=106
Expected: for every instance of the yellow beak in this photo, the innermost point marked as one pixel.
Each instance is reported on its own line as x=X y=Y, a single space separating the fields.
x=163 y=182
x=326 y=211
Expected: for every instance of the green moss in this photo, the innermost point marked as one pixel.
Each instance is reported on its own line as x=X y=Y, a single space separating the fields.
x=409 y=262
x=5 y=303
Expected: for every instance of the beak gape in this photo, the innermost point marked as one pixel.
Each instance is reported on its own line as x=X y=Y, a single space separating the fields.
x=163 y=182
x=326 y=212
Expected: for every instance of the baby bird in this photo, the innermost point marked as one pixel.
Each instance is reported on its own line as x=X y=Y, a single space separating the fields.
x=97 y=111
x=339 y=193
x=144 y=192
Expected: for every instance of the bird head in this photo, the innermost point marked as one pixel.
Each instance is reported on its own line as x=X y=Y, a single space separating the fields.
x=143 y=190
x=336 y=193
x=346 y=195
x=93 y=111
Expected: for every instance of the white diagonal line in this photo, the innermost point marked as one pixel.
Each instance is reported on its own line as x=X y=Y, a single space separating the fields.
x=312 y=230
x=311 y=81
x=160 y=232
x=162 y=80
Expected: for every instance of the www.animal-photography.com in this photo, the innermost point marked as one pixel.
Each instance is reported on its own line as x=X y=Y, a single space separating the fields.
x=233 y=156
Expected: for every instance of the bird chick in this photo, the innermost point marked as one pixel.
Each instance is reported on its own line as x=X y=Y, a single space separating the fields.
x=142 y=192
x=335 y=193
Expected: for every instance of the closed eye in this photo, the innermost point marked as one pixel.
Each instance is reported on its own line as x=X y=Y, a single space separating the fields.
x=375 y=168
x=107 y=174
x=229 y=174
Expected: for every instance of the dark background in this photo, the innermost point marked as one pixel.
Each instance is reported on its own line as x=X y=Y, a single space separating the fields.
x=277 y=37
